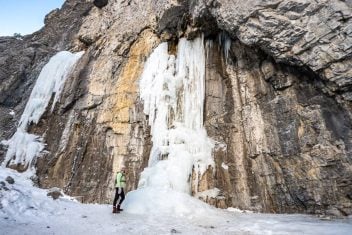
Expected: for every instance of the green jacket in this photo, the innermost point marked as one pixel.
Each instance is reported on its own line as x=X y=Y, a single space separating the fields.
x=120 y=181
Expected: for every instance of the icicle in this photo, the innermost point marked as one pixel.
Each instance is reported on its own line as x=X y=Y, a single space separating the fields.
x=225 y=44
x=23 y=147
x=208 y=47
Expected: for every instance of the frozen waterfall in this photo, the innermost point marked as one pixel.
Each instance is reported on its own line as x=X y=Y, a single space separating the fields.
x=173 y=89
x=24 y=147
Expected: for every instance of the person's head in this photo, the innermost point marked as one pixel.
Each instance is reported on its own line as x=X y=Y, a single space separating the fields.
x=123 y=169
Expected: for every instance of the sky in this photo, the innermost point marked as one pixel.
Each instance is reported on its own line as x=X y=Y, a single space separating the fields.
x=24 y=16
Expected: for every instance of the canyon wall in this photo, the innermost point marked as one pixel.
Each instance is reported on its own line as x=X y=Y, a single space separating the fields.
x=278 y=78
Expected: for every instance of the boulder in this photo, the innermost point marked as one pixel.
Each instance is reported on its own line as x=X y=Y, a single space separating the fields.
x=55 y=193
x=10 y=180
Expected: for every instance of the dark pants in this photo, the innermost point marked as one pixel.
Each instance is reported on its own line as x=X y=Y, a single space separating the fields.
x=119 y=197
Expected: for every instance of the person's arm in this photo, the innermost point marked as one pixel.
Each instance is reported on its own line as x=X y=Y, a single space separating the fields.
x=118 y=178
x=123 y=178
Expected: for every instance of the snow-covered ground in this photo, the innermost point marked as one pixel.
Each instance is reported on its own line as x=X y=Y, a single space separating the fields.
x=28 y=210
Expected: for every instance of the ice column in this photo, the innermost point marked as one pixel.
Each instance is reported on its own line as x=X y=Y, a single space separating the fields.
x=24 y=147
x=172 y=89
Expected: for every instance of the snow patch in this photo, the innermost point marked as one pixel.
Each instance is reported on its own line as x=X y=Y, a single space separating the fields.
x=23 y=147
x=236 y=210
x=224 y=166
x=162 y=201
x=210 y=193
x=21 y=199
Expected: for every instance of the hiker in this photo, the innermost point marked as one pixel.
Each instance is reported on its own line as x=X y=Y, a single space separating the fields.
x=120 y=183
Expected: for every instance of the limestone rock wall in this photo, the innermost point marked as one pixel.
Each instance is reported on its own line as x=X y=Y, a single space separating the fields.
x=316 y=34
x=283 y=145
x=106 y=128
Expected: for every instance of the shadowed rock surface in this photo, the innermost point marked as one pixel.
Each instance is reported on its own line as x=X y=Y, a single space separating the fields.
x=277 y=101
x=100 y=3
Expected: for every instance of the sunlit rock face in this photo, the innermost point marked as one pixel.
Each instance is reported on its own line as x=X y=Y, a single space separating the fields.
x=276 y=99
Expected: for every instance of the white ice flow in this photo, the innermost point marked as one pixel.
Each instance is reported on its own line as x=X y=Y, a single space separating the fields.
x=172 y=89
x=23 y=147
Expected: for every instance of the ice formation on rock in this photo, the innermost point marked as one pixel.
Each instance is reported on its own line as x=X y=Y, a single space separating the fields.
x=173 y=89
x=24 y=147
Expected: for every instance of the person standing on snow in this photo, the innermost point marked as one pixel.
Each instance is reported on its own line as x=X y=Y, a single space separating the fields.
x=120 y=184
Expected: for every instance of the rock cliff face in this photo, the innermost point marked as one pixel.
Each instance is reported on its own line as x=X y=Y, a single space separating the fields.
x=21 y=60
x=278 y=78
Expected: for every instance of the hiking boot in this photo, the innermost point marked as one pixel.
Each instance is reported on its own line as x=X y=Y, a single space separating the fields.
x=114 y=210
x=119 y=209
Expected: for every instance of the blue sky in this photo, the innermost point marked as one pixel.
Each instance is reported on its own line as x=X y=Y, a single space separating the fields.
x=24 y=16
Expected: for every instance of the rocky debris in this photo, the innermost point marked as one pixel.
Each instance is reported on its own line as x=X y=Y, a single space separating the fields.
x=10 y=180
x=100 y=3
x=54 y=193
x=174 y=231
x=3 y=186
